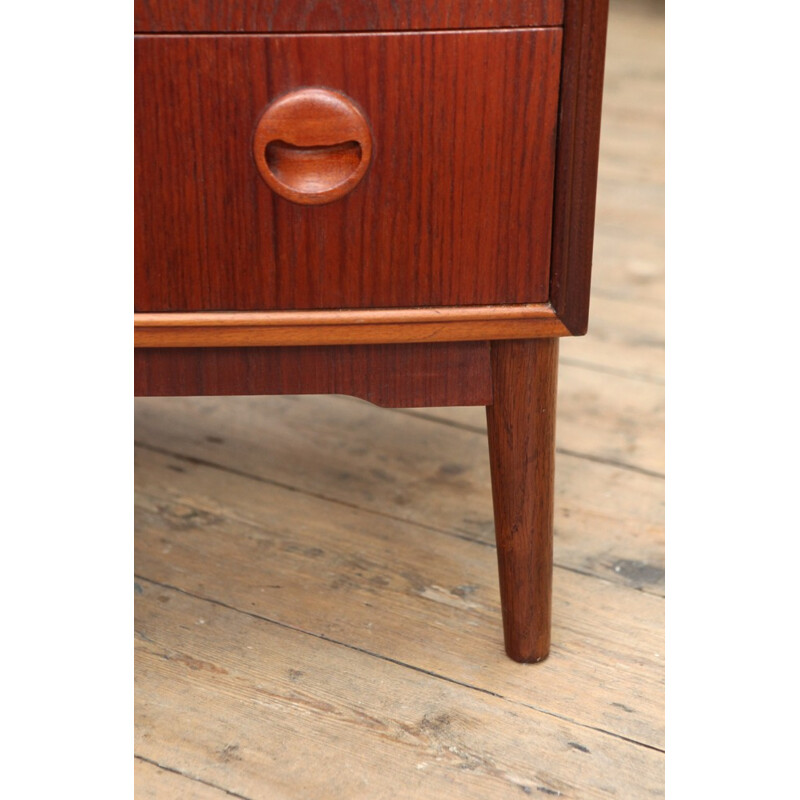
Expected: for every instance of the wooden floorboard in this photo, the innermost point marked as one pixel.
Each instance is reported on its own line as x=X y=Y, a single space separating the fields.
x=413 y=469
x=317 y=609
x=280 y=714
x=154 y=782
x=599 y=416
x=629 y=237
x=625 y=338
x=395 y=589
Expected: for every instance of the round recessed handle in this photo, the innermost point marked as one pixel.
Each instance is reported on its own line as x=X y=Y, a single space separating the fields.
x=312 y=146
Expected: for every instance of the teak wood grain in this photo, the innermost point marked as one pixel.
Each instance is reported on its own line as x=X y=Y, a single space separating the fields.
x=203 y=16
x=455 y=208
x=580 y=105
x=521 y=428
x=387 y=375
x=368 y=326
x=312 y=146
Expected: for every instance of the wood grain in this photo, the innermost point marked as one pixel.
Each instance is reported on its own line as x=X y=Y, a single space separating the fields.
x=585 y=25
x=399 y=591
x=609 y=519
x=599 y=416
x=151 y=782
x=312 y=146
x=455 y=208
x=367 y=326
x=202 y=16
x=387 y=375
x=629 y=245
x=521 y=429
x=624 y=338
x=609 y=523
x=256 y=714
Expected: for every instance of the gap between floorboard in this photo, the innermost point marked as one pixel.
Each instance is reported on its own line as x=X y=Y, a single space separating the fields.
x=399 y=663
x=454 y=534
x=193 y=778
x=420 y=414
x=618 y=373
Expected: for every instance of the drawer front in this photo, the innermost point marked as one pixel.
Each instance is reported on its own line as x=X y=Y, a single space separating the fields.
x=266 y=16
x=454 y=209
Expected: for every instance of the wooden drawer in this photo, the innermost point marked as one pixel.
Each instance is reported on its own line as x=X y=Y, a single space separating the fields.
x=455 y=208
x=273 y=16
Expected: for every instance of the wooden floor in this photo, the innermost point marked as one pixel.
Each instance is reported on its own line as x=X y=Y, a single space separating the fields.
x=317 y=609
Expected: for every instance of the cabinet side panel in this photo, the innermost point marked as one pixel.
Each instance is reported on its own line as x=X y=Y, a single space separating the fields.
x=576 y=160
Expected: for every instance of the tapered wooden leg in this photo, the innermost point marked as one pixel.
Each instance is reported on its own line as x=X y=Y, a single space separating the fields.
x=521 y=425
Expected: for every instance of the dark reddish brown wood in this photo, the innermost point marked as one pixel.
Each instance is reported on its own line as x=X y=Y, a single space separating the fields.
x=400 y=376
x=455 y=208
x=312 y=145
x=576 y=162
x=521 y=424
x=273 y=16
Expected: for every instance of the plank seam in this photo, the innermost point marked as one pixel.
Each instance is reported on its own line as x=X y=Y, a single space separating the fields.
x=391 y=660
x=190 y=777
x=454 y=534
x=619 y=373
x=270 y=482
x=561 y=450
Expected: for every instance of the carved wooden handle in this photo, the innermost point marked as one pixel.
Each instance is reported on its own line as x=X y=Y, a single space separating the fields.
x=312 y=146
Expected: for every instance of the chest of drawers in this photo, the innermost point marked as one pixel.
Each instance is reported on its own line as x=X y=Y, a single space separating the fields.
x=392 y=200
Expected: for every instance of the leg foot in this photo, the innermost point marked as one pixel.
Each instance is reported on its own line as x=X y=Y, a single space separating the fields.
x=521 y=423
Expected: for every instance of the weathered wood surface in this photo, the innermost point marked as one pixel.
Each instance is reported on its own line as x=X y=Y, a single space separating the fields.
x=625 y=338
x=272 y=719
x=395 y=589
x=414 y=469
x=629 y=236
x=599 y=416
x=152 y=782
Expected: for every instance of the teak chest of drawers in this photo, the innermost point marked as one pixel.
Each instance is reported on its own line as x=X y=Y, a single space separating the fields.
x=388 y=199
